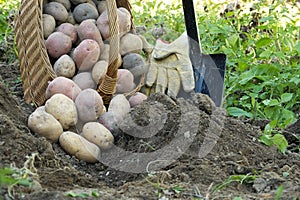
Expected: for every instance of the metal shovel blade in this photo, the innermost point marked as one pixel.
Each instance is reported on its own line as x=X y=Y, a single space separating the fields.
x=209 y=69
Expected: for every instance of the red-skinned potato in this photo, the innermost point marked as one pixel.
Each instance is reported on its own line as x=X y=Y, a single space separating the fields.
x=85 y=11
x=57 y=10
x=78 y=146
x=125 y=82
x=88 y=30
x=137 y=99
x=97 y=133
x=124 y=22
x=86 y=54
x=63 y=109
x=64 y=66
x=68 y=29
x=110 y=120
x=63 y=85
x=44 y=124
x=48 y=25
x=58 y=44
x=89 y=105
x=84 y=80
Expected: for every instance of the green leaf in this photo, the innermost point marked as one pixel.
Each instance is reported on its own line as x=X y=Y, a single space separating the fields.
x=285 y=97
x=265 y=139
x=238 y=112
x=297 y=47
x=280 y=141
x=263 y=42
x=272 y=102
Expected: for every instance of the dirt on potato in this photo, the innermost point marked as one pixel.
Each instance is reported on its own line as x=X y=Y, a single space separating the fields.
x=186 y=152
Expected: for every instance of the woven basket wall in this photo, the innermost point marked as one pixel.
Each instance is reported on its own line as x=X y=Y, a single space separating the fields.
x=36 y=69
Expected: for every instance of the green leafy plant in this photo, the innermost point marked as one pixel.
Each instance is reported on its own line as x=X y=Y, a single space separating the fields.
x=82 y=194
x=242 y=179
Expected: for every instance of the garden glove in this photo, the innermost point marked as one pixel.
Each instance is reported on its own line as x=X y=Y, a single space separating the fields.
x=170 y=65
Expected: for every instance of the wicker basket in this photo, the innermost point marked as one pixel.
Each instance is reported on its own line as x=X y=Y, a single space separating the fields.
x=36 y=69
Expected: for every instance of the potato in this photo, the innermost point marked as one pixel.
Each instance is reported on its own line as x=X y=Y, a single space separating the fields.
x=137 y=99
x=64 y=66
x=63 y=85
x=136 y=64
x=58 y=44
x=65 y=3
x=125 y=81
x=48 y=25
x=88 y=30
x=101 y=6
x=97 y=133
x=124 y=22
x=104 y=52
x=89 y=105
x=110 y=120
x=68 y=29
x=119 y=106
x=130 y=43
x=84 y=80
x=44 y=124
x=63 y=109
x=85 y=11
x=78 y=146
x=57 y=10
x=86 y=54
x=99 y=70
x=75 y=2
x=71 y=18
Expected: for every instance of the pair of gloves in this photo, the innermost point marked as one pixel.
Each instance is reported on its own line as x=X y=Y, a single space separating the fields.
x=170 y=68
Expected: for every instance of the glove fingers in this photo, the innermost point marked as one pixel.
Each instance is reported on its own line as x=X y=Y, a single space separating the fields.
x=151 y=75
x=162 y=80
x=187 y=76
x=173 y=82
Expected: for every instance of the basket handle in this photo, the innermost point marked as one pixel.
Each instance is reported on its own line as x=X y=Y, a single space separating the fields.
x=107 y=86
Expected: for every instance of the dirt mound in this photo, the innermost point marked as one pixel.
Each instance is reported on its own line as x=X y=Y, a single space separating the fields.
x=181 y=148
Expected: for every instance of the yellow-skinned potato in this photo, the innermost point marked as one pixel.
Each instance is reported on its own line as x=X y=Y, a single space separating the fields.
x=48 y=25
x=65 y=3
x=64 y=66
x=63 y=109
x=119 y=106
x=44 y=124
x=130 y=43
x=78 y=146
x=99 y=70
x=84 y=80
x=97 y=133
x=57 y=10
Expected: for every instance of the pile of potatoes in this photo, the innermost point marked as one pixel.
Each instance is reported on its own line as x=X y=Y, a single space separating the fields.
x=76 y=34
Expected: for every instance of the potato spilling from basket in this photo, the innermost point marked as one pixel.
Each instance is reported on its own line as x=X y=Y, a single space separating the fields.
x=77 y=35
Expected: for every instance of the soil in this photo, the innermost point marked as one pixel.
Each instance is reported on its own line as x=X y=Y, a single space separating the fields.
x=194 y=148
